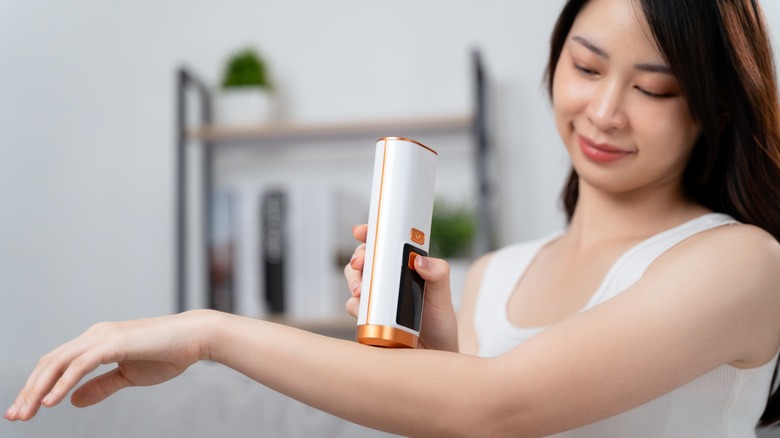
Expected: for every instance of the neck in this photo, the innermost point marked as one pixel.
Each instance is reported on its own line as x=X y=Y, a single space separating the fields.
x=601 y=216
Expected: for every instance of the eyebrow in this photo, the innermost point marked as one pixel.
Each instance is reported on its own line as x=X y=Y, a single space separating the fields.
x=654 y=68
x=598 y=51
x=592 y=47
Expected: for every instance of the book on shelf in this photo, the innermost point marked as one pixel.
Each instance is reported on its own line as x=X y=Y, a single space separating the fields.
x=221 y=252
x=312 y=271
x=273 y=231
x=292 y=242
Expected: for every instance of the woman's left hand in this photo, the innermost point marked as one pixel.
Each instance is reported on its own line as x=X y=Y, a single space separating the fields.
x=439 y=326
x=147 y=352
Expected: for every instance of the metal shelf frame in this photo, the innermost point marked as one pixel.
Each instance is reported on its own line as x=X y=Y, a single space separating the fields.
x=208 y=136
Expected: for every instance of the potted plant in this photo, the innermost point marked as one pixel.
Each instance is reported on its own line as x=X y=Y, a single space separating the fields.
x=246 y=91
x=452 y=230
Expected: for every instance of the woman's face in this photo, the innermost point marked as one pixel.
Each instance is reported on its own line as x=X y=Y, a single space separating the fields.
x=618 y=108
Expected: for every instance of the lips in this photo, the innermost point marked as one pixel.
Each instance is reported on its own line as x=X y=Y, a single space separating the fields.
x=601 y=152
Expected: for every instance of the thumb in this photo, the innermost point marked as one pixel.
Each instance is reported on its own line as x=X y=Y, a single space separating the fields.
x=99 y=388
x=436 y=273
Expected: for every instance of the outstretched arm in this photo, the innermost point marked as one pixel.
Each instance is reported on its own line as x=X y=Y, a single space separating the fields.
x=401 y=391
x=710 y=301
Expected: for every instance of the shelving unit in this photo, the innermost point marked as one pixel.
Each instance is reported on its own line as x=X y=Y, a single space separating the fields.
x=209 y=137
x=294 y=132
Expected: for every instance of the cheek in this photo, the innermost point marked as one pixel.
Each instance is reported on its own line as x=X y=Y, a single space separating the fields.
x=666 y=139
x=569 y=102
x=562 y=112
x=570 y=95
x=672 y=129
x=685 y=129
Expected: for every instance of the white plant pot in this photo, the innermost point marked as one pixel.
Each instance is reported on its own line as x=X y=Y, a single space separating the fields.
x=243 y=105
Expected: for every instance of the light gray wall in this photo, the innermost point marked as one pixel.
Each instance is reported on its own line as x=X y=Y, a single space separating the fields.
x=87 y=126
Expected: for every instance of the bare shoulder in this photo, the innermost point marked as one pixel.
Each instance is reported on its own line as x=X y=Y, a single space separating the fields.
x=731 y=247
x=731 y=271
x=743 y=257
x=751 y=237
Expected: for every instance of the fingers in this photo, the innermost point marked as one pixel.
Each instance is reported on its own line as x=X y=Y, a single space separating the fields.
x=440 y=328
x=358 y=258
x=360 y=232
x=353 y=271
x=354 y=278
x=76 y=371
x=148 y=352
x=46 y=387
x=353 y=306
x=99 y=388
x=55 y=375
x=436 y=273
x=45 y=364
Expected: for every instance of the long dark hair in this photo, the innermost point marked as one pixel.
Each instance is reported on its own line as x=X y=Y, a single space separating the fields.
x=723 y=61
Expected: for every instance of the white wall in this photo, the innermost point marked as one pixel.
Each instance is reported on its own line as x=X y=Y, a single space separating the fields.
x=87 y=130
x=87 y=126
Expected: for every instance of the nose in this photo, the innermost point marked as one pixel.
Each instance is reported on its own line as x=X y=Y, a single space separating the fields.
x=605 y=110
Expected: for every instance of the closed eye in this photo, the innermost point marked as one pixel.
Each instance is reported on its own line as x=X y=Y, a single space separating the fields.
x=585 y=71
x=655 y=95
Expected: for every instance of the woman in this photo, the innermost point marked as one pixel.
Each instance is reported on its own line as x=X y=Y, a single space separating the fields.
x=669 y=112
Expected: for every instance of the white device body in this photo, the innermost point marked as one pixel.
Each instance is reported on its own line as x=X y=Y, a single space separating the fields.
x=399 y=224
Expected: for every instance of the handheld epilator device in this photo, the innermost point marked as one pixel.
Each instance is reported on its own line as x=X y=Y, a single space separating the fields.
x=399 y=226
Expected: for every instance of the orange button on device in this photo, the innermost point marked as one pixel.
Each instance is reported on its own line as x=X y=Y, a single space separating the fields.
x=412 y=256
x=418 y=236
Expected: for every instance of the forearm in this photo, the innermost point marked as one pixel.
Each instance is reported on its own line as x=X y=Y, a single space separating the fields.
x=410 y=392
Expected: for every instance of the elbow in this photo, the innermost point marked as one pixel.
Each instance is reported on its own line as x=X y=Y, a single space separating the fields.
x=486 y=401
x=500 y=421
x=483 y=413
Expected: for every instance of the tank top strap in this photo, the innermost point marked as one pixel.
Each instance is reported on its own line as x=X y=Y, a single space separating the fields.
x=496 y=334
x=630 y=267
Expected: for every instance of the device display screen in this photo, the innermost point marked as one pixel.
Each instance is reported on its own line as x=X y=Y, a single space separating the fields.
x=410 y=293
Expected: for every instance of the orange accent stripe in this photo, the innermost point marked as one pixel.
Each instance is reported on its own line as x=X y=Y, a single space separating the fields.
x=376 y=231
x=384 y=336
x=408 y=140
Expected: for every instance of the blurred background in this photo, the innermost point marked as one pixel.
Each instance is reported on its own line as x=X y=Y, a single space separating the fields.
x=88 y=141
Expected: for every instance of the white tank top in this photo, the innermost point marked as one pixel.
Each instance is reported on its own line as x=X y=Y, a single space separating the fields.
x=725 y=402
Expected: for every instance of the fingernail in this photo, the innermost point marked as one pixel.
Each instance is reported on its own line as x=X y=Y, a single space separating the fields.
x=421 y=262
x=21 y=411
x=10 y=411
x=355 y=286
x=352 y=260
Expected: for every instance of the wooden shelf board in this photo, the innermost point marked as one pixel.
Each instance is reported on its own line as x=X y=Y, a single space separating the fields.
x=302 y=131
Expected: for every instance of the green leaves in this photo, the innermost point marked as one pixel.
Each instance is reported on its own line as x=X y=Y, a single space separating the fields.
x=246 y=68
x=452 y=230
